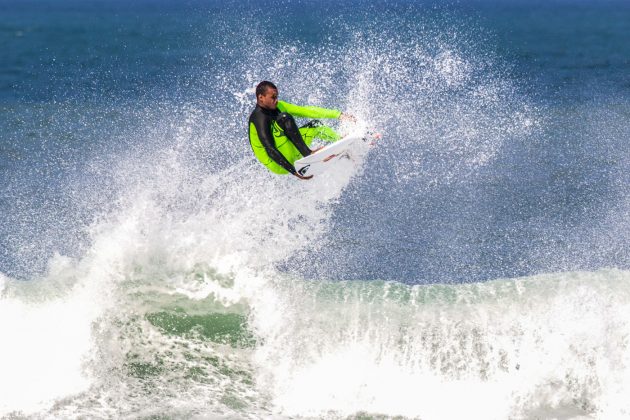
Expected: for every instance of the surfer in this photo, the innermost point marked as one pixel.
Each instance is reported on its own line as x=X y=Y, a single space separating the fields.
x=274 y=135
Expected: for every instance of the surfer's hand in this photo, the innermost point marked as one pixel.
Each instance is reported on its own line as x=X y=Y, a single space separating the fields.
x=303 y=177
x=347 y=117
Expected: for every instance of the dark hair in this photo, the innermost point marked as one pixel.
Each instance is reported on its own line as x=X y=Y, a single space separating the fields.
x=262 y=87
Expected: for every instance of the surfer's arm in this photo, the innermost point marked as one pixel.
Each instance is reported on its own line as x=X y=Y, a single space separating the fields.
x=308 y=111
x=266 y=140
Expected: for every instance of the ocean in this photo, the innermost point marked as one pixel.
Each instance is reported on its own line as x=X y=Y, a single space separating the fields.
x=475 y=264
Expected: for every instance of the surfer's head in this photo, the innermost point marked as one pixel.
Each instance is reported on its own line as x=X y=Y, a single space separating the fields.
x=267 y=95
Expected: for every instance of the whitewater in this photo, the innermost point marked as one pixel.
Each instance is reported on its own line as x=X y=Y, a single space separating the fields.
x=473 y=265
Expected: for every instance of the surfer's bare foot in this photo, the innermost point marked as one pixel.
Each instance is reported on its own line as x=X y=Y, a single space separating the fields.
x=375 y=135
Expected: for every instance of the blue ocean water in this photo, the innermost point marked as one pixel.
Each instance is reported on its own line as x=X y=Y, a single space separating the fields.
x=150 y=267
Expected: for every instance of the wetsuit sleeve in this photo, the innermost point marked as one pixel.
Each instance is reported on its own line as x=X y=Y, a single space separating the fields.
x=308 y=111
x=266 y=139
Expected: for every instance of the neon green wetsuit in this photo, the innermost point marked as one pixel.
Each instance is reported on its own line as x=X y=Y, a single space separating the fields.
x=271 y=145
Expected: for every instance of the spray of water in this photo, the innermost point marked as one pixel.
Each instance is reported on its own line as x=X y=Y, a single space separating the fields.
x=179 y=304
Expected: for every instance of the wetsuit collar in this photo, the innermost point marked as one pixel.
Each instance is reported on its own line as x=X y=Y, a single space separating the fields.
x=270 y=112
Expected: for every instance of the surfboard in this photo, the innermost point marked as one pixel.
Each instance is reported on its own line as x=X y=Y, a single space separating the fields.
x=350 y=147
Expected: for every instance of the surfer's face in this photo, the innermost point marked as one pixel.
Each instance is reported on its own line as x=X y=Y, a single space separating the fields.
x=269 y=99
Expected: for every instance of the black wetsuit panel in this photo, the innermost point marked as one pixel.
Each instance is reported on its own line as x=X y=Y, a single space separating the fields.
x=291 y=130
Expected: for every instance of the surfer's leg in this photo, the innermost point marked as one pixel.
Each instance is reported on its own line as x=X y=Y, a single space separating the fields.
x=288 y=124
x=315 y=129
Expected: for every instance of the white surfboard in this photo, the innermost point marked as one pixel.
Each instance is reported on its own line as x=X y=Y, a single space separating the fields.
x=350 y=147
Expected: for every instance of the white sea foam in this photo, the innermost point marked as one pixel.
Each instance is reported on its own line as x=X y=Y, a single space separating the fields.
x=550 y=346
x=46 y=341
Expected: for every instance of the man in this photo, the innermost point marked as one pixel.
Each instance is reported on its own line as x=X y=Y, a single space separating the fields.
x=274 y=135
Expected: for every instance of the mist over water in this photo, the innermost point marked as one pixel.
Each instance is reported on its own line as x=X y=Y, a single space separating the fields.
x=150 y=267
